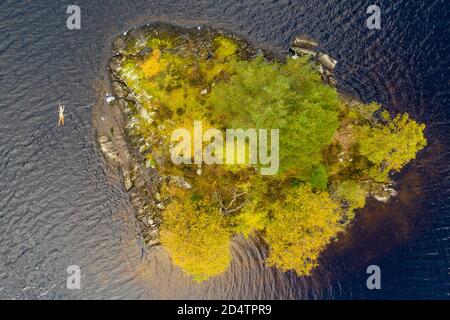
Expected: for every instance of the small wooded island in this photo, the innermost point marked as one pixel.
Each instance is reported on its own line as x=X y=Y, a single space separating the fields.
x=333 y=151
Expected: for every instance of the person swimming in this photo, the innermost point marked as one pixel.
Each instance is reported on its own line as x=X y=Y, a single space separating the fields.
x=61 y=114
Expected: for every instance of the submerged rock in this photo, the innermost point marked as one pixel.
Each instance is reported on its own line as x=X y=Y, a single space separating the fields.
x=302 y=51
x=119 y=45
x=103 y=139
x=108 y=149
x=119 y=89
x=305 y=46
x=109 y=98
x=326 y=61
x=385 y=194
x=128 y=182
x=304 y=43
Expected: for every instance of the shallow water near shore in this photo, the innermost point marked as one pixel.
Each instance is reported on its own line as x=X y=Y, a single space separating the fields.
x=61 y=205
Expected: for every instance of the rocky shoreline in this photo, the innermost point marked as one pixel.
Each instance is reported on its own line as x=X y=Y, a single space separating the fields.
x=122 y=150
x=110 y=122
x=325 y=64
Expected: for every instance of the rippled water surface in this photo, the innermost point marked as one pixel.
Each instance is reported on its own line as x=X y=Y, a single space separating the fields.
x=60 y=206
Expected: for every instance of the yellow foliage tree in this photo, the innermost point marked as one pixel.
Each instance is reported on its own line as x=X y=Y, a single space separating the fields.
x=302 y=225
x=152 y=66
x=195 y=235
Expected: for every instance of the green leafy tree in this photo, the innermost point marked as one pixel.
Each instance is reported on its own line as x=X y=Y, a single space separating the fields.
x=269 y=95
x=319 y=178
x=351 y=196
x=389 y=146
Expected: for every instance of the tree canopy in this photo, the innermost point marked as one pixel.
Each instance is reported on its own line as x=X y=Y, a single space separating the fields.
x=196 y=236
x=390 y=145
x=333 y=152
x=289 y=97
x=302 y=224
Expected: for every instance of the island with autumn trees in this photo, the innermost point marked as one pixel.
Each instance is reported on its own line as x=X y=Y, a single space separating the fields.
x=334 y=151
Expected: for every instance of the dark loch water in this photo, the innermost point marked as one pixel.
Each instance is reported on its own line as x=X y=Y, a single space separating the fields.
x=59 y=205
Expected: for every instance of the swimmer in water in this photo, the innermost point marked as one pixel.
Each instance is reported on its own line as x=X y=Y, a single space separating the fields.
x=61 y=114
